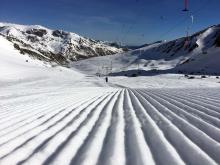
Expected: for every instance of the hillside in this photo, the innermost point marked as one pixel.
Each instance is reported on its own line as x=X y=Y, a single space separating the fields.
x=54 y=45
x=196 y=54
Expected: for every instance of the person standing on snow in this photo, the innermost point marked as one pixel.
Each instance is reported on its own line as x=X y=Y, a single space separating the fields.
x=106 y=79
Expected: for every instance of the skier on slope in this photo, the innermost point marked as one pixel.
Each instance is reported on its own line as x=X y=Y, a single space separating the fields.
x=106 y=79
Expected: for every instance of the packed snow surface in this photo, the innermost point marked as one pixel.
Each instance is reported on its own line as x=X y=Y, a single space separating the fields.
x=56 y=115
x=109 y=126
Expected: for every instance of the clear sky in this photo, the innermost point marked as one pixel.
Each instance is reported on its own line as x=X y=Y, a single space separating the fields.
x=127 y=21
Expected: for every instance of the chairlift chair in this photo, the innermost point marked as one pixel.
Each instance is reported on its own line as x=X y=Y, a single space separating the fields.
x=185 y=10
x=186 y=2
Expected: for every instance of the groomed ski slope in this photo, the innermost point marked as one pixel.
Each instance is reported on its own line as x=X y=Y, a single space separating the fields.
x=111 y=126
x=55 y=115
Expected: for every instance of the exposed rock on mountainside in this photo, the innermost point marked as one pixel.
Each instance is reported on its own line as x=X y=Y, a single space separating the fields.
x=217 y=41
x=54 y=45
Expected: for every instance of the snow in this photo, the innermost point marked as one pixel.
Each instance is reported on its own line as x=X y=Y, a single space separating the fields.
x=81 y=126
x=13 y=64
x=57 y=115
x=43 y=41
x=17 y=69
x=200 y=56
x=21 y=27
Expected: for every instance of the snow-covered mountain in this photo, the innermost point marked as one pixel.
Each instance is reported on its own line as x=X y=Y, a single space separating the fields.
x=196 y=54
x=199 y=53
x=54 y=45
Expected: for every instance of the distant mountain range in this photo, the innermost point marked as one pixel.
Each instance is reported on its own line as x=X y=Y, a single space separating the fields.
x=54 y=45
x=198 y=53
x=130 y=47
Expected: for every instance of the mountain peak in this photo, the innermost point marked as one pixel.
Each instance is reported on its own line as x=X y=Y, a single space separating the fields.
x=57 y=45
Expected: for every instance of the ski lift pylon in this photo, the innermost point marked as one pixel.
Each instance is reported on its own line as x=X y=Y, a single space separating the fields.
x=187 y=39
x=192 y=18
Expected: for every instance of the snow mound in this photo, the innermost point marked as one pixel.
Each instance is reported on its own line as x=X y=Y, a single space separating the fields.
x=18 y=68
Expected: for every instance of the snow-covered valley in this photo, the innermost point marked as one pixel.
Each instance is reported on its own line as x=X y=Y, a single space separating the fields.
x=58 y=115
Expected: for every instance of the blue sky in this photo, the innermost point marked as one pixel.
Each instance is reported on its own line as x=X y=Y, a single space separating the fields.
x=131 y=22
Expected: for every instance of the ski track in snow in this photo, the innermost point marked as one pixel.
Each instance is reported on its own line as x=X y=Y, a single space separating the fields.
x=107 y=126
